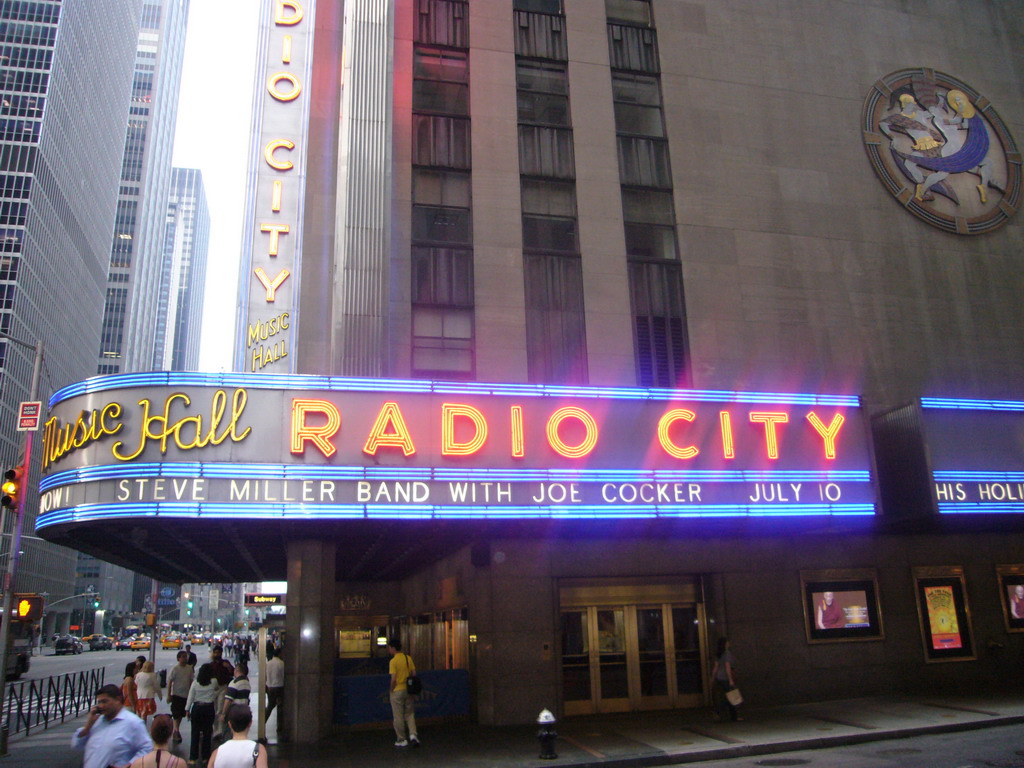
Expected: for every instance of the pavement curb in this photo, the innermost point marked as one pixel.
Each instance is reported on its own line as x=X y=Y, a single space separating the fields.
x=794 y=745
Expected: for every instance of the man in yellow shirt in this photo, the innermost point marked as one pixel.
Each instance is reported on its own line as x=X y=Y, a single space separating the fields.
x=402 y=704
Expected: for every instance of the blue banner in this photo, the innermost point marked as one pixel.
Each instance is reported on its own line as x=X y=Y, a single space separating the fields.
x=363 y=699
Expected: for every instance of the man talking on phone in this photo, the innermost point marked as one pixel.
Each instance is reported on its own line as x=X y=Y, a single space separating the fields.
x=112 y=737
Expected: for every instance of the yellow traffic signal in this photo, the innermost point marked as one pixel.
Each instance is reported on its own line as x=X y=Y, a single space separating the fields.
x=11 y=487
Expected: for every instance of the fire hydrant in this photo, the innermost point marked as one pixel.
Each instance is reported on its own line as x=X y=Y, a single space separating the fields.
x=547 y=735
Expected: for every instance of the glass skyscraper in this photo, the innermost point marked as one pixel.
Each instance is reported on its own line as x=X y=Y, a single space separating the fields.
x=186 y=242
x=64 y=90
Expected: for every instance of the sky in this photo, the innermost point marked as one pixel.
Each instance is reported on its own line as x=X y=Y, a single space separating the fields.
x=214 y=111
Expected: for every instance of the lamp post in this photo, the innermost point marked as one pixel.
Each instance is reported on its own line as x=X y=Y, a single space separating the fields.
x=19 y=521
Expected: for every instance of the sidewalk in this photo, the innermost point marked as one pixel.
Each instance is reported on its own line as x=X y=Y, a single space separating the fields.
x=611 y=741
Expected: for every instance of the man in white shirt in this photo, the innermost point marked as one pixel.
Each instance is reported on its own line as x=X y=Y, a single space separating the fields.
x=275 y=686
x=112 y=736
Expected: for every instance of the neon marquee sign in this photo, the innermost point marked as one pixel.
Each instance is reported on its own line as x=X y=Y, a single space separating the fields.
x=231 y=445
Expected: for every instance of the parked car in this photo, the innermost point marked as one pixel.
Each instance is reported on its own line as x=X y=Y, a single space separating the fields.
x=68 y=644
x=140 y=644
x=125 y=643
x=100 y=643
x=171 y=641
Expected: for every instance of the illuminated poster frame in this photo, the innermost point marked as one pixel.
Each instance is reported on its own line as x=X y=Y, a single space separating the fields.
x=943 y=614
x=1011 y=595
x=855 y=595
x=264 y=446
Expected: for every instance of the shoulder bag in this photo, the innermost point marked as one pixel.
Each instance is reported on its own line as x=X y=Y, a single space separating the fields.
x=413 y=686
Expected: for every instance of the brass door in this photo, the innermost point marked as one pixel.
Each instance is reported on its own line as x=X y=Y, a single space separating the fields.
x=632 y=657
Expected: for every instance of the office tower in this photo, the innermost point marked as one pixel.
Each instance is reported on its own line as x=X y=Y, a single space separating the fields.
x=136 y=251
x=183 y=278
x=67 y=77
x=130 y=318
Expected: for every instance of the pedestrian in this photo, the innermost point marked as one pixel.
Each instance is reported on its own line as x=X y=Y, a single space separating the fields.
x=403 y=705
x=239 y=751
x=179 y=681
x=237 y=692
x=225 y=674
x=111 y=736
x=723 y=676
x=275 y=687
x=192 y=658
x=129 y=695
x=161 y=757
x=201 y=712
x=147 y=685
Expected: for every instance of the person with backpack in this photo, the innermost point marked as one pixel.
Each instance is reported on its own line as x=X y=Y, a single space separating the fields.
x=403 y=703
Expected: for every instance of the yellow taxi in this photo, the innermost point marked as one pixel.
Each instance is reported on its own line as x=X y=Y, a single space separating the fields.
x=140 y=644
x=198 y=640
x=170 y=641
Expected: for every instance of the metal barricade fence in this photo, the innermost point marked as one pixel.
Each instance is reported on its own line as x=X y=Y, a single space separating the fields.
x=33 y=704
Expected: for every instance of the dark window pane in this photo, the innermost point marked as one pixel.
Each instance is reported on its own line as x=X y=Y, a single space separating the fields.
x=647 y=206
x=631 y=11
x=555 y=326
x=650 y=241
x=445 y=98
x=644 y=162
x=538 y=6
x=546 y=152
x=549 y=198
x=441 y=141
x=435 y=64
x=442 y=276
x=441 y=225
x=442 y=22
x=633 y=48
x=541 y=77
x=659 y=323
x=549 y=234
x=543 y=108
x=540 y=35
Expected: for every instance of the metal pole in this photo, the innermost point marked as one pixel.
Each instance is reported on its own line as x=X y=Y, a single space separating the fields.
x=12 y=561
x=261 y=687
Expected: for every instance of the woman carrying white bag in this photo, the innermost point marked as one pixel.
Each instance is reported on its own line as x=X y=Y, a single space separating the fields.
x=725 y=694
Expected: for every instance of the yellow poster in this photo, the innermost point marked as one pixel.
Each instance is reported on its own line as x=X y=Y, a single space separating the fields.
x=942 y=621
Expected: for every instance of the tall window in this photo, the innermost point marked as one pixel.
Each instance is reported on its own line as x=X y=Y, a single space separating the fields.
x=648 y=210
x=556 y=345
x=442 y=224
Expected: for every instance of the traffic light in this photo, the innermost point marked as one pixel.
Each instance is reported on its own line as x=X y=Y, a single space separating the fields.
x=190 y=607
x=11 y=487
x=28 y=607
x=96 y=601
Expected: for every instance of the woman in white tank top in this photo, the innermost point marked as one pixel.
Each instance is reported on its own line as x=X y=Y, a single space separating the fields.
x=240 y=751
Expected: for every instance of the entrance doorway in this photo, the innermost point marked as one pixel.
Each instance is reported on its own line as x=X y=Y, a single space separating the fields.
x=632 y=647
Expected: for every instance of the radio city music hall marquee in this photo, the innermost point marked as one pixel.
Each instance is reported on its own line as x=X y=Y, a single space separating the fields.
x=242 y=445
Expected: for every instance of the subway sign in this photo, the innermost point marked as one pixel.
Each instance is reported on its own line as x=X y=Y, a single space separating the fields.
x=193 y=445
x=258 y=599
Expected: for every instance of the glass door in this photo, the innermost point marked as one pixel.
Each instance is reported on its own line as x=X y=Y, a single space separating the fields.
x=612 y=660
x=652 y=671
x=688 y=665
x=577 y=696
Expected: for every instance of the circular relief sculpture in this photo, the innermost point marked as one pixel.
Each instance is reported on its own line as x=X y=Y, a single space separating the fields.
x=942 y=150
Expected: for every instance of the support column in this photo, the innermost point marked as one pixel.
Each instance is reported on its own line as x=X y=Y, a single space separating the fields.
x=309 y=643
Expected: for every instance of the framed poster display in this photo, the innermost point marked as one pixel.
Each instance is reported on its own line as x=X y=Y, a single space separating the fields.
x=943 y=614
x=1011 y=591
x=841 y=605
